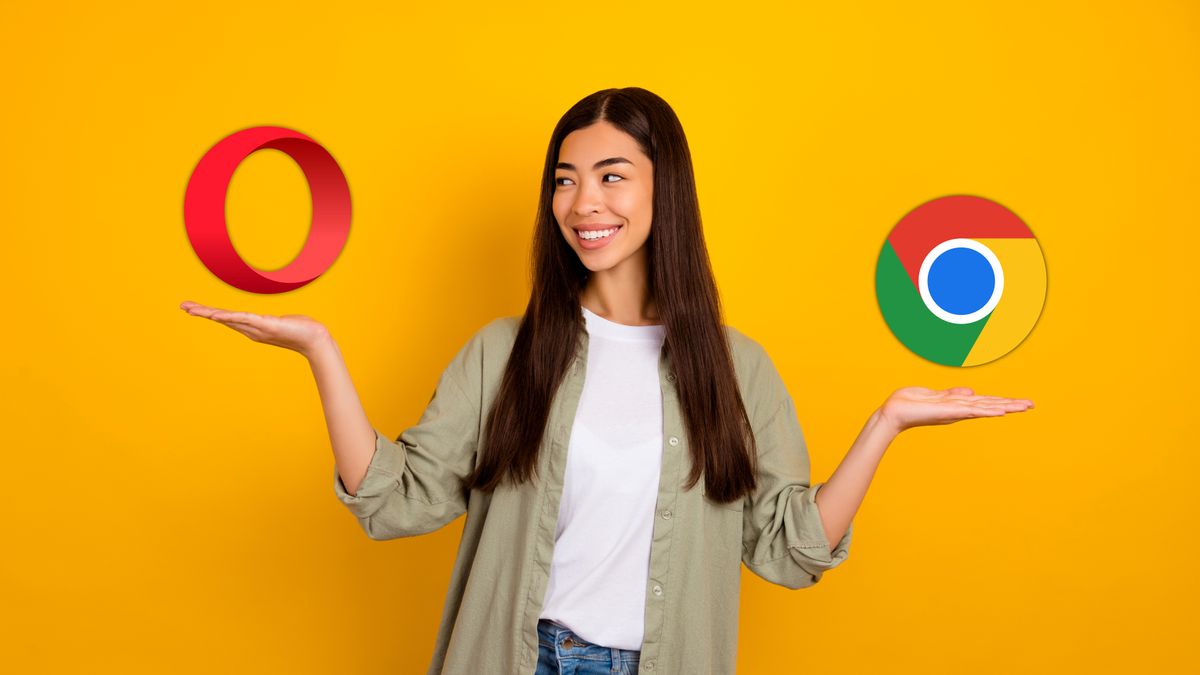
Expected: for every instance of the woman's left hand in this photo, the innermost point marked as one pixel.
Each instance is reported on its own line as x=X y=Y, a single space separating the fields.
x=918 y=406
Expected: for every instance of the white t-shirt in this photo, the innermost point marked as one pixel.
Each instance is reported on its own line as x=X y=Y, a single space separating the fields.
x=597 y=584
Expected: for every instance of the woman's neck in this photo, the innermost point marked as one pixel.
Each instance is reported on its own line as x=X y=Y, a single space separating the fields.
x=621 y=300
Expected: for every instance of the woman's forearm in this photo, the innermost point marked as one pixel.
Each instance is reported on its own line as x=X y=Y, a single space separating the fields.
x=350 y=432
x=839 y=498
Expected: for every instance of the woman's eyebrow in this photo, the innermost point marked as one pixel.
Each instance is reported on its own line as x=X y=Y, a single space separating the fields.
x=598 y=165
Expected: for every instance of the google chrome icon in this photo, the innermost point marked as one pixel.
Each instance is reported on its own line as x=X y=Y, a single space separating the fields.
x=961 y=280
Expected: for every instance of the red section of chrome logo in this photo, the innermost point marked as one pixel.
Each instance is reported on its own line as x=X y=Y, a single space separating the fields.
x=204 y=210
x=951 y=217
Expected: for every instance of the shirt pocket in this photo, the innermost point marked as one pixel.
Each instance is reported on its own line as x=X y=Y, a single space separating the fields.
x=722 y=534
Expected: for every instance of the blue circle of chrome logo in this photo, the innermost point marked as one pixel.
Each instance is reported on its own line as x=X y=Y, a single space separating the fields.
x=961 y=281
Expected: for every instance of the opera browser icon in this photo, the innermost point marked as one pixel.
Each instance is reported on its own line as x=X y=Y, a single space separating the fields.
x=961 y=280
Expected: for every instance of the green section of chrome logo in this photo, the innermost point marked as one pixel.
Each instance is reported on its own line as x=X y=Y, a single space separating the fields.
x=911 y=321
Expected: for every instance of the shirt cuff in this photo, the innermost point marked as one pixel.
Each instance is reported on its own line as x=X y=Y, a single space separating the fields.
x=383 y=475
x=807 y=541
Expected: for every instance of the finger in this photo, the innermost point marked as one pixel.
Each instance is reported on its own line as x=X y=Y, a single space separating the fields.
x=1004 y=398
x=987 y=412
x=239 y=317
x=1011 y=403
x=985 y=399
x=991 y=405
x=204 y=310
x=968 y=400
x=989 y=399
x=999 y=409
x=967 y=412
x=196 y=309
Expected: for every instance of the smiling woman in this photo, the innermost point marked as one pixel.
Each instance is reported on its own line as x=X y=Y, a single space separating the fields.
x=618 y=233
x=614 y=448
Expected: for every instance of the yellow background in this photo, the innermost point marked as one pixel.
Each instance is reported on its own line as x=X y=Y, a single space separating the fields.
x=169 y=506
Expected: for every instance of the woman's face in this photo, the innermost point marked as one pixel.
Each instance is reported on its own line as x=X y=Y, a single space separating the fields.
x=604 y=181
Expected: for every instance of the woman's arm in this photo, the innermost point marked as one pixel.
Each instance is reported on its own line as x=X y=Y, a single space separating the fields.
x=839 y=498
x=350 y=432
x=352 y=436
x=399 y=487
x=795 y=530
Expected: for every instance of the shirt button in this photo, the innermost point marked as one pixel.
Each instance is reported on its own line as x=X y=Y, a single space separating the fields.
x=670 y=377
x=657 y=589
x=673 y=440
x=649 y=665
x=667 y=514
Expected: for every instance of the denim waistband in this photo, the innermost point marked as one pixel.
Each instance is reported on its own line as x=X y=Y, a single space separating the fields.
x=555 y=633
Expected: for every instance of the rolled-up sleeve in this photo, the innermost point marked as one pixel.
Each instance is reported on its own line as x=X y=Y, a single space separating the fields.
x=415 y=483
x=783 y=538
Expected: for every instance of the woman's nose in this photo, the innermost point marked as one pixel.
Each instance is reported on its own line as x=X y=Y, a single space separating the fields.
x=587 y=200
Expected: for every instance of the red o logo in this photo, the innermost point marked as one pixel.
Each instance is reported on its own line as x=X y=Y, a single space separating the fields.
x=204 y=210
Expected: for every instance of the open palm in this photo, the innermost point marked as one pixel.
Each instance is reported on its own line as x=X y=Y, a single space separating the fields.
x=920 y=406
x=292 y=331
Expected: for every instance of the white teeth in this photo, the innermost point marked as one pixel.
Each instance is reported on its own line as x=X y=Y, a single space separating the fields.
x=597 y=234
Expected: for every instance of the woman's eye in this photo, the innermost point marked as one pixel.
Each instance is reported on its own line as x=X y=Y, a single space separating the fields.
x=560 y=180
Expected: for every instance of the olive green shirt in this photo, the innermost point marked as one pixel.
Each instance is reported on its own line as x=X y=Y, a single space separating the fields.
x=489 y=623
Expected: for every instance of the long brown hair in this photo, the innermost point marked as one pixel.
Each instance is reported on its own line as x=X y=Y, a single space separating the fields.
x=681 y=282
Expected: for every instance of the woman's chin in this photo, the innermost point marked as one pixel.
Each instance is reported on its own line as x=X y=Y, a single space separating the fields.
x=594 y=266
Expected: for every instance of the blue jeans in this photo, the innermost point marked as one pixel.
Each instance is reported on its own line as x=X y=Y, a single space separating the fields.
x=561 y=652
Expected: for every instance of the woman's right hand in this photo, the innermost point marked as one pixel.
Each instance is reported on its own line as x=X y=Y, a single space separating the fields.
x=293 y=331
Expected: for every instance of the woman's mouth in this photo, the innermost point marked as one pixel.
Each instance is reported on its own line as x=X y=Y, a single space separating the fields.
x=596 y=238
